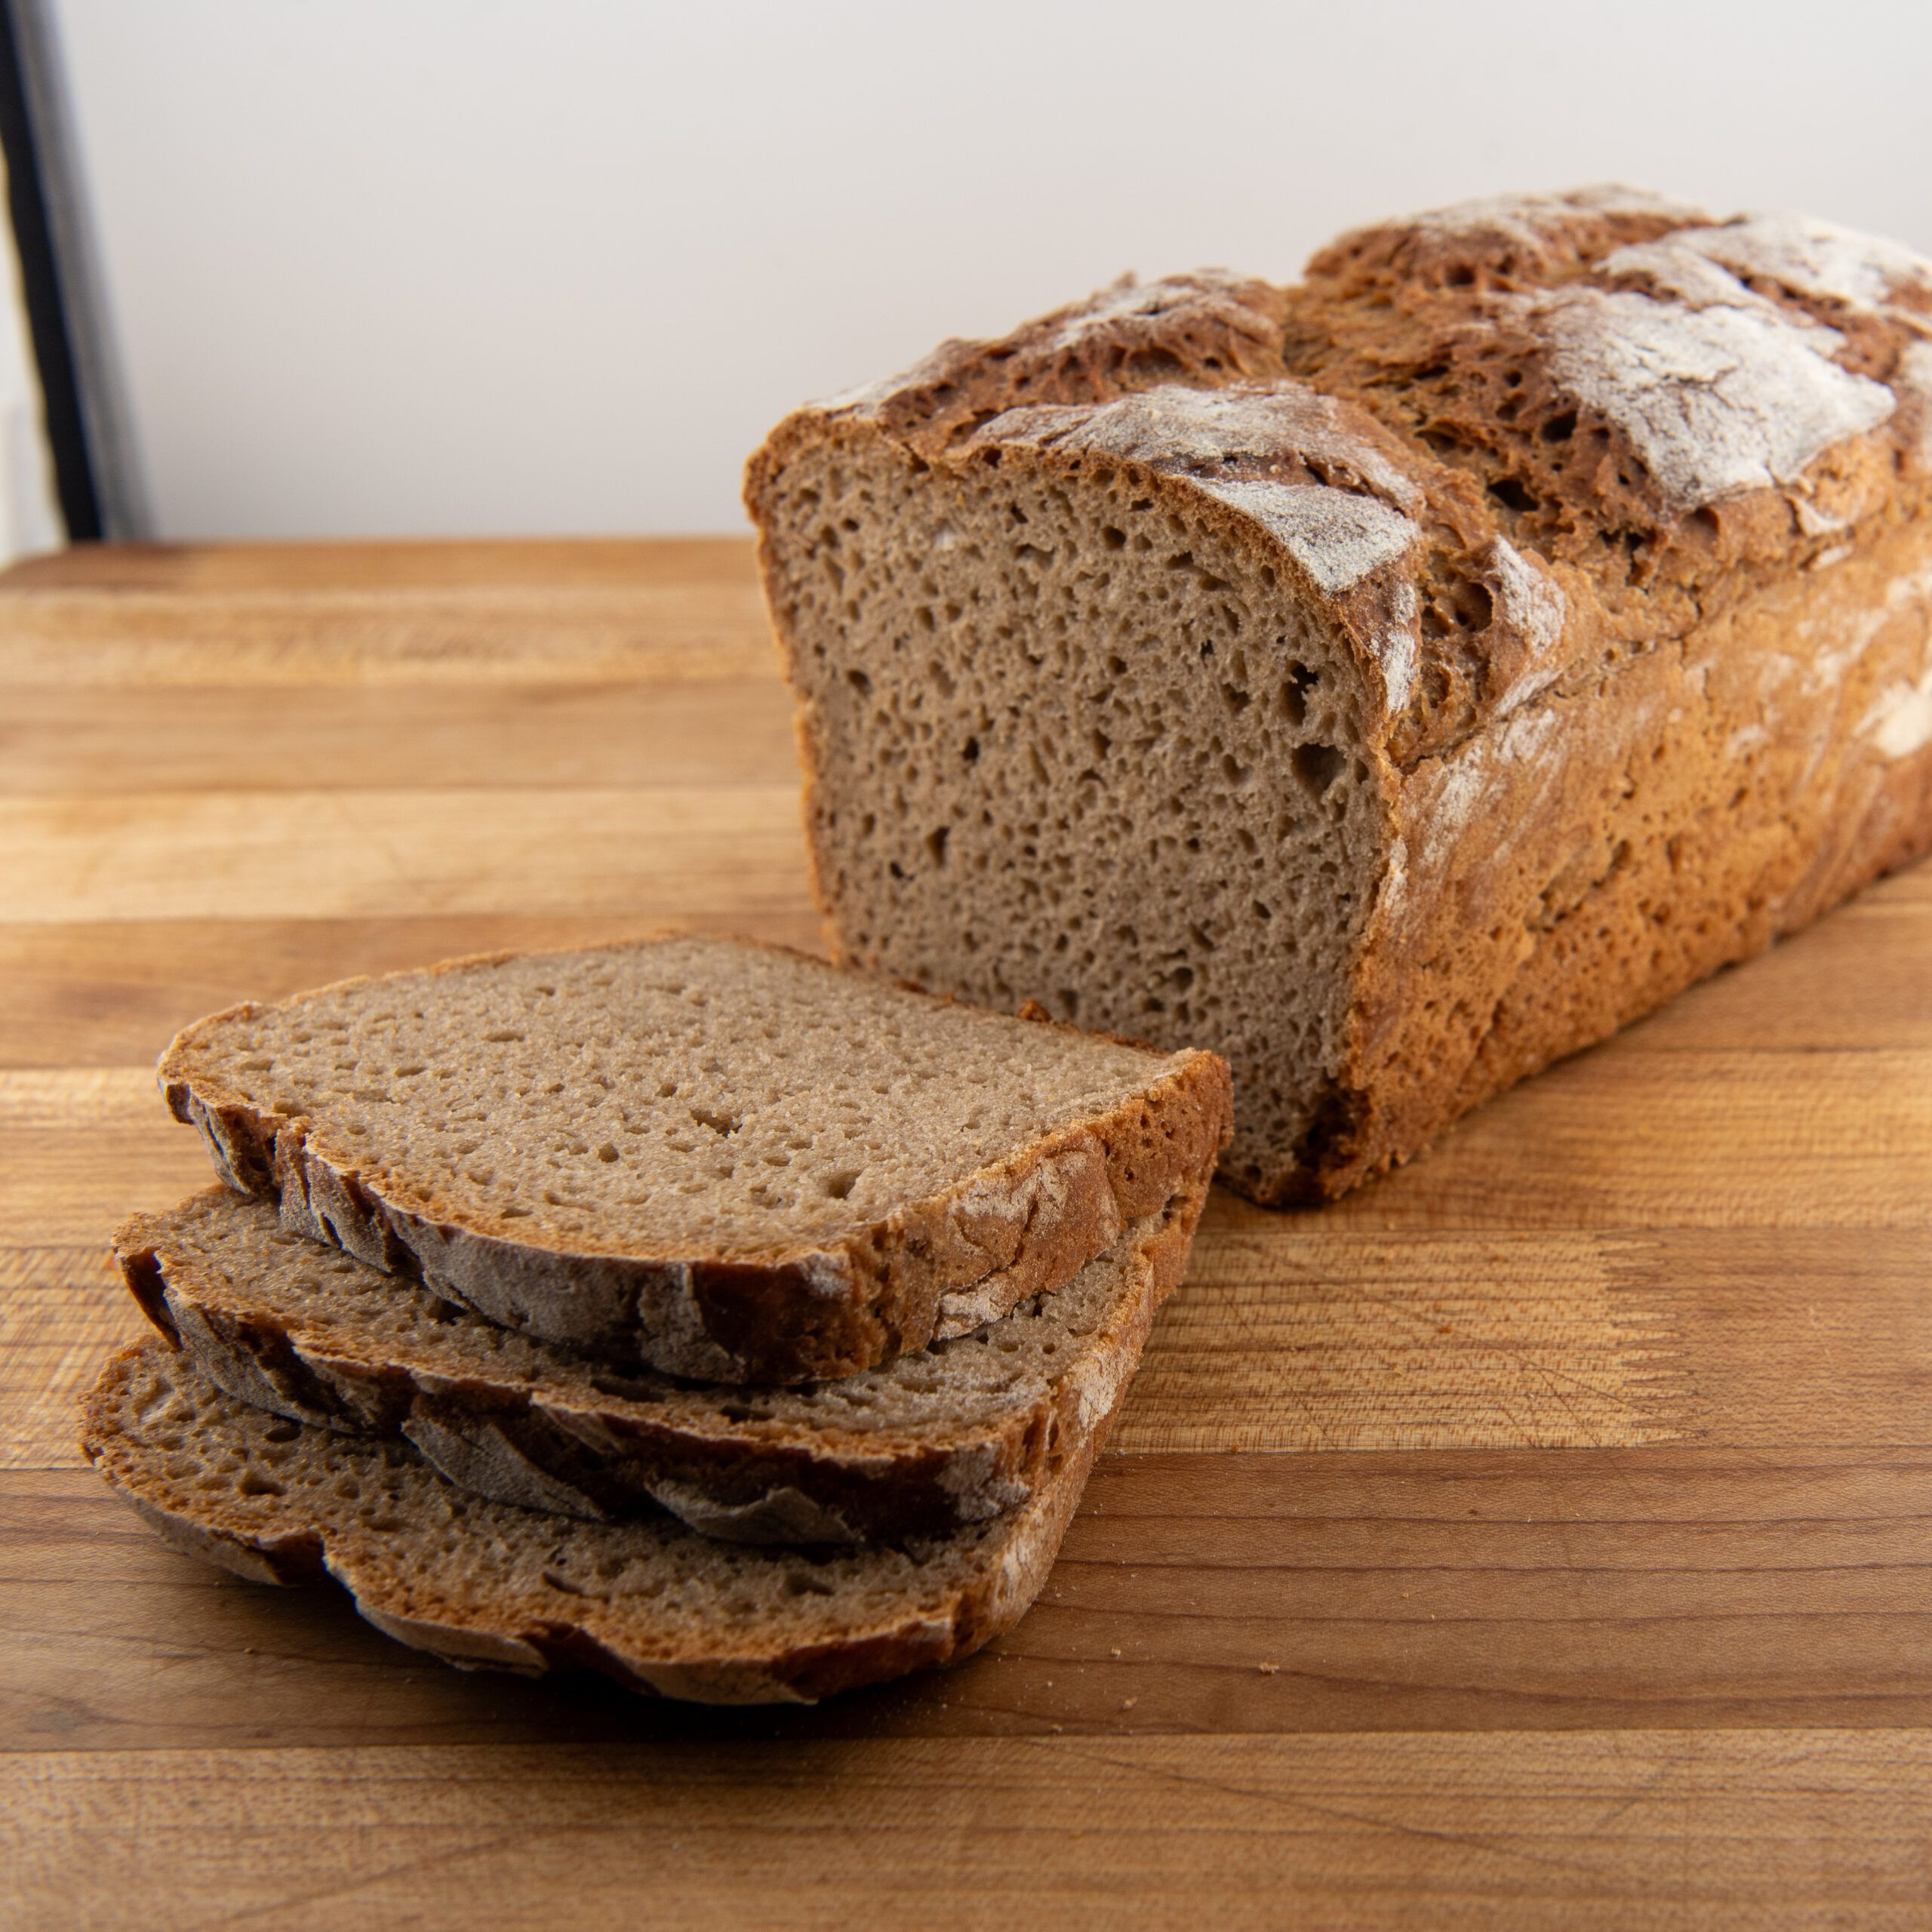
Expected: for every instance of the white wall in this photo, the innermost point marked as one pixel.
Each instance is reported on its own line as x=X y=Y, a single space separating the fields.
x=440 y=265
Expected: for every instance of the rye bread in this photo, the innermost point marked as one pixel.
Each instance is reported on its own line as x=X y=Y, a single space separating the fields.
x=958 y=1433
x=483 y=1584
x=717 y=1160
x=1394 y=681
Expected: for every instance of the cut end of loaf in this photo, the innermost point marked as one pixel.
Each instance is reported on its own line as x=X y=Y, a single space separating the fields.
x=1074 y=736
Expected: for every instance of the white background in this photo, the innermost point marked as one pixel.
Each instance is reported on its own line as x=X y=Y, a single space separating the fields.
x=542 y=266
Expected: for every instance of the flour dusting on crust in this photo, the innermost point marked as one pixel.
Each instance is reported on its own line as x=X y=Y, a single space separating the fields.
x=1250 y=426
x=1130 y=300
x=1813 y=258
x=1532 y=219
x=867 y=396
x=1217 y=439
x=1337 y=537
x=1717 y=400
x=1900 y=723
x=1397 y=647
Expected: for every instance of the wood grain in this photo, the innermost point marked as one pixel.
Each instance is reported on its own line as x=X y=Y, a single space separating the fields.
x=216 y=740
x=272 y=620
x=1539 y=1538
x=1196 y=1594
x=1758 y=1831
x=635 y=855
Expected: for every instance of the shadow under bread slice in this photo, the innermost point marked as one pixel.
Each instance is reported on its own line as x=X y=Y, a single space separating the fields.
x=481 y=1583
x=956 y=1434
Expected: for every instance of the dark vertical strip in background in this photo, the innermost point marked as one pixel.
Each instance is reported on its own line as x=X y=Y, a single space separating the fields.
x=47 y=302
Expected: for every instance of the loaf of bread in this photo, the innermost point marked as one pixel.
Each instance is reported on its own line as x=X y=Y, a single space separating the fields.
x=1393 y=681
x=714 y=1159
x=955 y=1434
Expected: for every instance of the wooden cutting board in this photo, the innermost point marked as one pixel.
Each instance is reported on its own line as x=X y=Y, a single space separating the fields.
x=1539 y=1537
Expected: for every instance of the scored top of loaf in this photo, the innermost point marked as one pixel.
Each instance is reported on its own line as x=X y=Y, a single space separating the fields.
x=1502 y=439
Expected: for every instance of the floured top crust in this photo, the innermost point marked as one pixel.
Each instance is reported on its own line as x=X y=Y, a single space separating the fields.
x=1643 y=393
x=1501 y=239
x=1561 y=420
x=1202 y=328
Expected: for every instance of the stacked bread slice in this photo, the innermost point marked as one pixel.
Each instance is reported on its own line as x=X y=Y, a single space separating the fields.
x=694 y=1311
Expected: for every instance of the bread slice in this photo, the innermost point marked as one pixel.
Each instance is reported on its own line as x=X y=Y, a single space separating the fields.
x=958 y=1433
x=718 y=1160
x=1394 y=682
x=485 y=1584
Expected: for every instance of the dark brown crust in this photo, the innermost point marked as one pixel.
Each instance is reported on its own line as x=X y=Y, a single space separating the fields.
x=730 y=1665
x=545 y=1448
x=1016 y=1229
x=1640 y=851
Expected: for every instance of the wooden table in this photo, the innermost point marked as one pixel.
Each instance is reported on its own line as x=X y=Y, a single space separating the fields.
x=1539 y=1537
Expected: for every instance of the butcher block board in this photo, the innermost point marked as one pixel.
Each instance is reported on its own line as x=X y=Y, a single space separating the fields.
x=1541 y=1536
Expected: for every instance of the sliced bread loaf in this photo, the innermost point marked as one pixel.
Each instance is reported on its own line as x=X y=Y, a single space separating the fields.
x=1394 y=681
x=717 y=1160
x=483 y=1583
x=955 y=1434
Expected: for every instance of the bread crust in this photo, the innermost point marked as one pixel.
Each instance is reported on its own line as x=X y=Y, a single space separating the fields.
x=1649 y=683
x=1016 y=1228
x=532 y=1627
x=558 y=1443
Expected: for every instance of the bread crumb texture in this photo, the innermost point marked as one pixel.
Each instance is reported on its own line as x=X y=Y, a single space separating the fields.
x=715 y=1159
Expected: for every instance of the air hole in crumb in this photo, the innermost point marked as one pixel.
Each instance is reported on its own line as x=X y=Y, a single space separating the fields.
x=1509 y=492
x=839 y=1185
x=1316 y=766
x=1294 y=694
